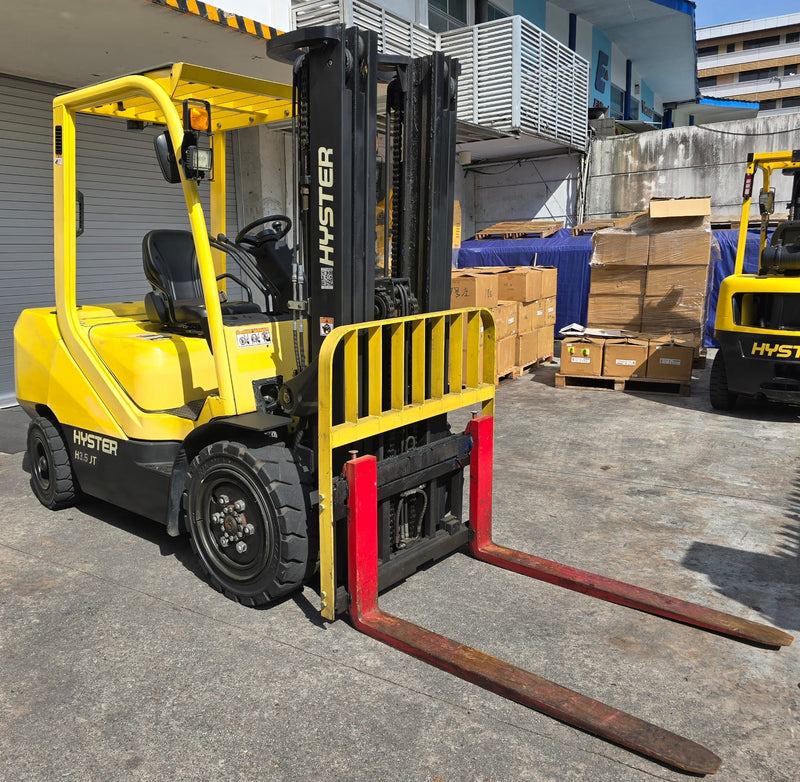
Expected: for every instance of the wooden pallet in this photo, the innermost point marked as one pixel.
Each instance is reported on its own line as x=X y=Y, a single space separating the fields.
x=638 y=384
x=590 y=226
x=732 y=222
x=530 y=229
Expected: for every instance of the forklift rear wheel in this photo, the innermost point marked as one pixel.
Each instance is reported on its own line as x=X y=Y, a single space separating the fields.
x=721 y=398
x=52 y=479
x=247 y=515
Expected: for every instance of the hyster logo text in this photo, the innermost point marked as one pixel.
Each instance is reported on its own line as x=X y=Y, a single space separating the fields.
x=325 y=216
x=775 y=351
x=94 y=442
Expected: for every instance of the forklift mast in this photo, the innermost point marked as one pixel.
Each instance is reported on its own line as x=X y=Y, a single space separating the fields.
x=336 y=75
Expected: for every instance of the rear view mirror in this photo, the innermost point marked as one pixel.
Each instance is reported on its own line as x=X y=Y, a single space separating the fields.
x=766 y=201
x=166 y=158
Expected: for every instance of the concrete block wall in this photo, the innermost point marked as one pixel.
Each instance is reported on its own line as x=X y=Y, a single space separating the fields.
x=627 y=171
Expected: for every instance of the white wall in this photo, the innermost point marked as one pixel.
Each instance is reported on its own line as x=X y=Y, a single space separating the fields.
x=538 y=189
x=558 y=24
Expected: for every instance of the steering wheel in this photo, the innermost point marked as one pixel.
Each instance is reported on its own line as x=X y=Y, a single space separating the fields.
x=283 y=223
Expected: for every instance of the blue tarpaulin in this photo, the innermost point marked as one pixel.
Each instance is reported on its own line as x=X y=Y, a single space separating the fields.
x=723 y=259
x=571 y=256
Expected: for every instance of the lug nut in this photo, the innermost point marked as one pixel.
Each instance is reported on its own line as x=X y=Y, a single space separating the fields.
x=241 y=547
x=249 y=529
x=239 y=505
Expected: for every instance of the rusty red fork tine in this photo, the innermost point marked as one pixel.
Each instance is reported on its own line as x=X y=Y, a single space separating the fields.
x=474 y=666
x=619 y=592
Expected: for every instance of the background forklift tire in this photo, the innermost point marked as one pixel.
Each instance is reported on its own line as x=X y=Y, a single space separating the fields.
x=52 y=479
x=247 y=514
x=721 y=398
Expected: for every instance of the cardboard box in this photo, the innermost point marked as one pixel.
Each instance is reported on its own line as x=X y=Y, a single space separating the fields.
x=549 y=280
x=470 y=289
x=618 y=247
x=527 y=315
x=582 y=356
x=506 y=319
x=467 y=356
x=665 y=281
x=539 y=313
x=686 y=247
x=670 y=360
x=625 y=357
x=546 y=340
x=528 y=348
x=676 y=312
x=550 y=311
x=506 y=355
x=680 y=207
x=522 y=283
x=618 y=280
x=618 y=312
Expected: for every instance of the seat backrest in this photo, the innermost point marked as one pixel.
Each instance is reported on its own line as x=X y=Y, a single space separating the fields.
x=170 y=264
x=787 y=232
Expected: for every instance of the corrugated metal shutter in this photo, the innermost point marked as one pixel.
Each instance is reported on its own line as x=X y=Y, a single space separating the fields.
x=125 y=196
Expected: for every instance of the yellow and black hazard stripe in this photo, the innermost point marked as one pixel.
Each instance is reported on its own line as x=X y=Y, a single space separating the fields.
x=213 y=14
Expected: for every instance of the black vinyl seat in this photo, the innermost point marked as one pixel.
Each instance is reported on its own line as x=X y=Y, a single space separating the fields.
x=170 y=265
x=783 y=253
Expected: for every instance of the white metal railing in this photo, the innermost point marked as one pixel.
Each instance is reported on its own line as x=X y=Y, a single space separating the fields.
x=396 y=35
x=747 y=56
x=515 y=78
x=744 y=88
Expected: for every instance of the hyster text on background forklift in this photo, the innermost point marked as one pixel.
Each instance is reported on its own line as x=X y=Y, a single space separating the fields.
x=305 y=425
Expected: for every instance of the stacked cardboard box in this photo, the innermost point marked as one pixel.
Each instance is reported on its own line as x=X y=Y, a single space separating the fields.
x=633 y=356
x=523 y=302
x=649 y=272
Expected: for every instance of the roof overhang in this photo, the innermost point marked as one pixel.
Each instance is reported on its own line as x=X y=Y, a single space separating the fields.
x=658 y=36
x=78 y=42
x=707 y=110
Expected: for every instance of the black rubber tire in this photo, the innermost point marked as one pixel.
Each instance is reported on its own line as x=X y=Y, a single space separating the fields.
x=267 y=481
x=52 y=479
x=719 y=395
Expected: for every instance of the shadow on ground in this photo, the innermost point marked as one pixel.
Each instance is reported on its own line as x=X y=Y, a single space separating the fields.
x=748 y=576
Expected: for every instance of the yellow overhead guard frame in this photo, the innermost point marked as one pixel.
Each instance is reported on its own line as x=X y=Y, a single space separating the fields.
x=156 y=96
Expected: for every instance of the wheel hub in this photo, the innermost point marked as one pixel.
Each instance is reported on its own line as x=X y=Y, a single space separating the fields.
x=230 y=523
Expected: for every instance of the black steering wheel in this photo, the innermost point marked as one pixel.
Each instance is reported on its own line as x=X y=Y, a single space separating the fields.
x=281 y=226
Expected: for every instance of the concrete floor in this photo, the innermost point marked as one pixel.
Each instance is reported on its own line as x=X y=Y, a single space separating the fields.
x=118 y=663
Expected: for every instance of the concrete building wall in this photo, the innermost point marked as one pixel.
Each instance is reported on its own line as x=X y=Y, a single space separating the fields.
x=264 y=174
x=539 y=189
x=558 y=23
x=627 y=171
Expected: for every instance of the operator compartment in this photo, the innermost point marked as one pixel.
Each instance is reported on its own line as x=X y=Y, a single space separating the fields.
x=159 y=371
x=771 y=310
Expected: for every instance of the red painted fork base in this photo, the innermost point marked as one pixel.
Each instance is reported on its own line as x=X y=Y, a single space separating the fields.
x=580 y=580
x=486 y=671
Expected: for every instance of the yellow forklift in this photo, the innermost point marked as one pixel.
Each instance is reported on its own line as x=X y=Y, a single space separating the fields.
x=757 y=323
x=301 y=426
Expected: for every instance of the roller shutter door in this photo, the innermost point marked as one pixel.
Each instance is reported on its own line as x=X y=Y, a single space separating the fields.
x=125 y=196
